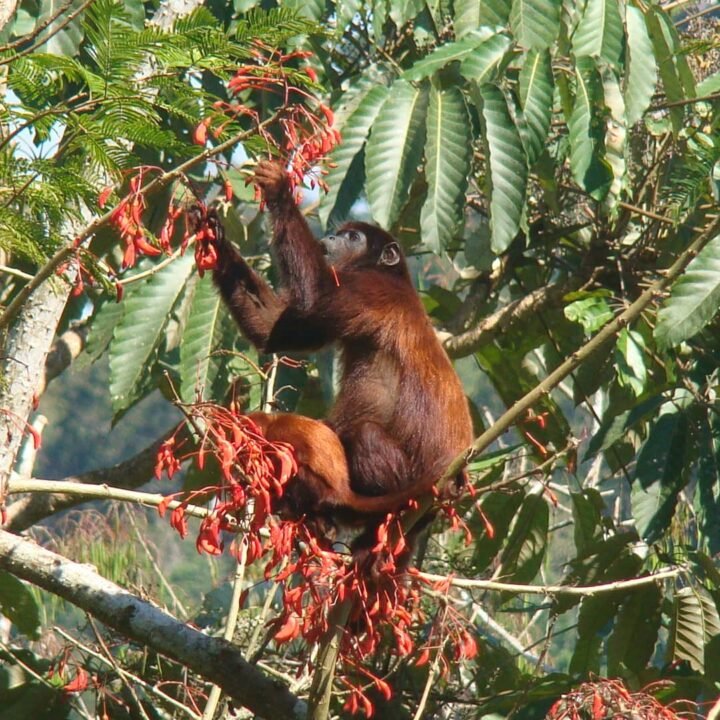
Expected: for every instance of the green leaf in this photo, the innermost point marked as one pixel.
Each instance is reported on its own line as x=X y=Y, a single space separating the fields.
x=484 y=62
x=694 y=299
x=201 y=336
x=447 y=53
x=499 y=509
x=586 y=509
x=472 y=14
x=695 y=622
x=507 y=169
x=448 y=152
x=616 y=427
x=586 y=130
x=18 y=605
x=659 y=476
x=600 y=32
x=641 y=75
x=707 y=495
x=535 y=23
x=405 y=10
x=536 y=100
x=524 y=550
x=102 y=328
x=630 y=361
x=591 y=312
x=632 y=641
x=394 y=150
x=675 y=73
x=354 y=134
x=141 y=330
x=310 y=9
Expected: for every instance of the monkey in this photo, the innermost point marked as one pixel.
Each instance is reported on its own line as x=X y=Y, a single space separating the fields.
x=400 y=414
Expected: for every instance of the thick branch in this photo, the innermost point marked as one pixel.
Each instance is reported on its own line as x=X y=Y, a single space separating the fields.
x=216 y=660
x=491 y=326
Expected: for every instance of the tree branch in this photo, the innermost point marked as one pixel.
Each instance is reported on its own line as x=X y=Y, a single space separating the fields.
x=491 y=326
x=214 y=659
x=583 y=591
x=128 y=474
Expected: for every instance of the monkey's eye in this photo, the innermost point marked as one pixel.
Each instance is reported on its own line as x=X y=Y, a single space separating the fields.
x=354 y=235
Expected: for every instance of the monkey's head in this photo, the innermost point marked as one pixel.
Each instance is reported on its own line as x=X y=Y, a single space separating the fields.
x=359 y=245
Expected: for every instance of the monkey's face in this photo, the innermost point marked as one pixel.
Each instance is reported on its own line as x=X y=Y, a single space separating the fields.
x=345 y=248
x=351 y=247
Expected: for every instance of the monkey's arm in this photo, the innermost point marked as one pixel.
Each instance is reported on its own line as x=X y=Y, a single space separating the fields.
x=299 y=257
x=265 y=318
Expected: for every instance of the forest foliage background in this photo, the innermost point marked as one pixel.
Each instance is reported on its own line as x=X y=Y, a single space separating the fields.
x=552 y=171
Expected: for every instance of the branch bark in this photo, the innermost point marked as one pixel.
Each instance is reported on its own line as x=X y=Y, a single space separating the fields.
x=216 y=660
x=485 y=331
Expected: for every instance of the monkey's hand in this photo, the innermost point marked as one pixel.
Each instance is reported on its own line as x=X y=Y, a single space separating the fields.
x=271 y=178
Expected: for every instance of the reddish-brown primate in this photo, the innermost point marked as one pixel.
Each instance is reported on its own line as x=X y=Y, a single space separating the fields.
x=400 y=413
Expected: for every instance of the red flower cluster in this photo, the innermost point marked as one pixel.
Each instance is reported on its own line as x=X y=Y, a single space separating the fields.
x=603 y=699
x=251 y=468
x=308 y=135
x=385 y=601
x=127 y=218
x=206 y=256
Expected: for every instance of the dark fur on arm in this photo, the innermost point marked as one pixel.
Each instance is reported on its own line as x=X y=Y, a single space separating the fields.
x=299 y=258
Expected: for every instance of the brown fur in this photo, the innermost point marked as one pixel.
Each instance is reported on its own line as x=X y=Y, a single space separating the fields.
x=400 y=415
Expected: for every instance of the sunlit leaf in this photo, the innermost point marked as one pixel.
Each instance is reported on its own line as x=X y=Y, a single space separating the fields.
x=394 y=150
x=448 y=152
x=535 y=23
x=508 y=169
x=694 y=299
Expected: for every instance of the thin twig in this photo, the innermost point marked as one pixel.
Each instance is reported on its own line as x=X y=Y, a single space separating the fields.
x=134 y=678
x=18 y=485
x=109 y=657
x=177 y=603
x=229 y=632
x=576 y=590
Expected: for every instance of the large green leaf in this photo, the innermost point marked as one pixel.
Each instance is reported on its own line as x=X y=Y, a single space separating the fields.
x=632 y=641
x=586 y=129
x=354 y=134
x=694 y=299
x=483 y=63
x=203 y=330
x=600 y=32
x=525 y=547
x=586 y=511
x=507 y=169
x=535 y=23
x=448 y=152
x=536 y=100
x=142 y=328
x=394 y=150
x=675 y=73
x=707 y=494
x=695 y=621
x=641 y=76
x=403 y=11
x=447 y=53
x=659 y=476
x=471 y=14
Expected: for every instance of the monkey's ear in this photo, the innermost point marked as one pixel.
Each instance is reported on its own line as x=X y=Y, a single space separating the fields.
x=390 y=254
